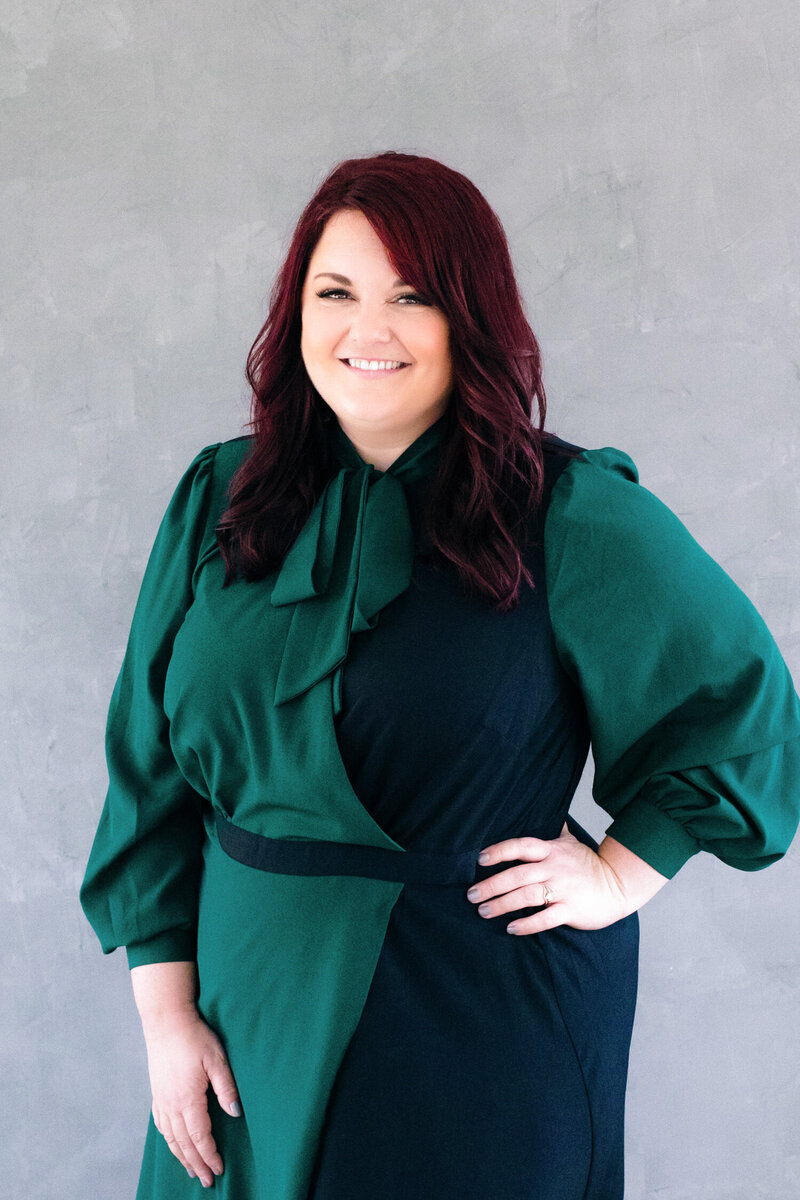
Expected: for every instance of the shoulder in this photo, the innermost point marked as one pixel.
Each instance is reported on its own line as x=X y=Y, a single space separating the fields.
x=215 y=459
x=200 y=495
x=229 y=455
x=557 y=454
x=598 y=508
x=595 y=489
x=590 y=467
x=213 y=467
x=584 y=469
x=217 y=462
x=225 y=460
x=608 y=536
x=582 y=483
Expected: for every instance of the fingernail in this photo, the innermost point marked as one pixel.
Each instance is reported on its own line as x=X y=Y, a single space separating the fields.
x=191 y=1173
x=512 y=928
x=483 y=858
x=236 y=1108
x=472 y=894
x=484 y=909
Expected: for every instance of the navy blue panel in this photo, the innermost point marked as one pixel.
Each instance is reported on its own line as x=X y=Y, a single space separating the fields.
x=484 y=1064
x=459 y=725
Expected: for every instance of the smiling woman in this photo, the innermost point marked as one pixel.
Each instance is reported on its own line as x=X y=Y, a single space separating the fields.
x=377 y=353
x=374 y=956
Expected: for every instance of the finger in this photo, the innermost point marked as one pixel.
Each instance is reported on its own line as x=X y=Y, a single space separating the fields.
x=529 y=848
x=179 y=1144
x=198 y=1128
x=187 y=1146
x=549 y=918
x=187 y=1151
x=165 y=1129
x=504 y=881
x=532 y=895
x=224 y=1085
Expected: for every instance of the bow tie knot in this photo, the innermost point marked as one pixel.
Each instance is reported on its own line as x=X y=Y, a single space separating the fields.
x=353 y=556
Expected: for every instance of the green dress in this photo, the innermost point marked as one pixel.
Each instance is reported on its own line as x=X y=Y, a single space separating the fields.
x=303 y=770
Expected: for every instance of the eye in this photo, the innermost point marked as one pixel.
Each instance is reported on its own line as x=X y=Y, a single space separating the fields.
x=330 y=293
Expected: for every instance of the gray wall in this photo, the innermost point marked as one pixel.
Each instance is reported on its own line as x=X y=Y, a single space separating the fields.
x=644 y=160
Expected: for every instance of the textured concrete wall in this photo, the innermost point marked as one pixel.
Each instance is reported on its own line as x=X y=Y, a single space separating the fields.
x=644 y=160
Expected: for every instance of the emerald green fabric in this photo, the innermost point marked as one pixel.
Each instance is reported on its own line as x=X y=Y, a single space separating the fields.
x=226 y=701
x=694 y=719
x=693 y=716
x=157 y=881
x=352 y=557
x=141 y=882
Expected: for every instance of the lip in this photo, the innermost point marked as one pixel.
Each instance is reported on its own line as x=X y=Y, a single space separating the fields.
x=374 y=374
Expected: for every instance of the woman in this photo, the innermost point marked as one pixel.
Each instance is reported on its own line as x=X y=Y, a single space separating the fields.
x=373 y=641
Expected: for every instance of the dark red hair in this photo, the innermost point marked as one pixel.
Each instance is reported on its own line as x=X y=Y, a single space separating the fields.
x=445 y=242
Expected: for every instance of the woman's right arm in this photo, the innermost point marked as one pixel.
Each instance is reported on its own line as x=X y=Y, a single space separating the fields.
x=184 y=1057
x=141 y=885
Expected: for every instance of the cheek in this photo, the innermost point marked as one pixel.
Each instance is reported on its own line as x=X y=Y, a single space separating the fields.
x=320 y=335
x=436 y=344
x=312 y=342
x=440 y=357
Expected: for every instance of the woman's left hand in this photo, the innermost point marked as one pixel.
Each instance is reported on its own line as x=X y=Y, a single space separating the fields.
x=578 y=886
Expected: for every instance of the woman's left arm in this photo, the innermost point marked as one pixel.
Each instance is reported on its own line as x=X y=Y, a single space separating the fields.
x=576 y=885
x=693 y=716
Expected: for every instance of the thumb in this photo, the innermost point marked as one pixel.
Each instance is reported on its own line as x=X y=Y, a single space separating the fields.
x=222 y=1081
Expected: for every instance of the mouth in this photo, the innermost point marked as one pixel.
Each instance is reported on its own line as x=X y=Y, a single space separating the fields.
x=374 y=368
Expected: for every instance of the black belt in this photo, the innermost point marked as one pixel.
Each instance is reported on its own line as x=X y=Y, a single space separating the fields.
x=290 y=856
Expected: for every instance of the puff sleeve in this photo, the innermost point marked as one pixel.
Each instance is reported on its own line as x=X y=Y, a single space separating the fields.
x=141 y=882
x=694 y=720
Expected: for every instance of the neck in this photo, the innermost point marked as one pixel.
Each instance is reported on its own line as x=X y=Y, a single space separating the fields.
x=379 y=455
x=382 y=448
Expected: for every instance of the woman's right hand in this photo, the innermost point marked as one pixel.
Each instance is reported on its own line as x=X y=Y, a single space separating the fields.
x=184 y=1056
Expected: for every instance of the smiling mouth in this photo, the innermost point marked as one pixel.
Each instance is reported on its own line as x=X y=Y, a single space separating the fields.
x=374 y=366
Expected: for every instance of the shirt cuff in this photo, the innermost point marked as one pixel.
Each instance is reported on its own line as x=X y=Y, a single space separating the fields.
x=662 y=842
x=176 y=945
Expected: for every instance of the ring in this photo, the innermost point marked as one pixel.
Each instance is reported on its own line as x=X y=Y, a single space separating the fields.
x=548 y=896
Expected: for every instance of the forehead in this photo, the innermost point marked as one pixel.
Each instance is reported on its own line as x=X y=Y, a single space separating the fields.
x=348 y=224
x=348 y=234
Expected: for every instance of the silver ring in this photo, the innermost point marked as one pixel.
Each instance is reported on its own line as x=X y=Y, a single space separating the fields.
x=548 y=895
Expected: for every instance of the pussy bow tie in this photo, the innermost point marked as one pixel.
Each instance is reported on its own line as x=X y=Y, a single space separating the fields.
x=353 y=556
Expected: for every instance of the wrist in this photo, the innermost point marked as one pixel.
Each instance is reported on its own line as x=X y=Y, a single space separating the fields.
x=634 y=879
x=165 y=996
x=158 y=1023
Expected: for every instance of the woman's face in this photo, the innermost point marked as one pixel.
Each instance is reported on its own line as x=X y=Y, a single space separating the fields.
x=368 y=315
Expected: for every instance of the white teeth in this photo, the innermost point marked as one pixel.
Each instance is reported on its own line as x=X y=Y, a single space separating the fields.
x=373 y=364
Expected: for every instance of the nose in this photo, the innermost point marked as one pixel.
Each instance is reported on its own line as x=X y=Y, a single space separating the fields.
x=370 y=324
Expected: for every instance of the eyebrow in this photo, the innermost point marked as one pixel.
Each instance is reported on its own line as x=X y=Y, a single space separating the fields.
x=343 y=279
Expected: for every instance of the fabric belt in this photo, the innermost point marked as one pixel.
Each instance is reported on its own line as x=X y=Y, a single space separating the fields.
x=289 y=856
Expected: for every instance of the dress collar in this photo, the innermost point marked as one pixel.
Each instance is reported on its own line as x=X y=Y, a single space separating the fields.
x=353 y=556
x=417 y=460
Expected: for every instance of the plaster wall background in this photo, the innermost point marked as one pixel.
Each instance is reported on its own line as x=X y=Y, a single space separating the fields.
x=644 y=160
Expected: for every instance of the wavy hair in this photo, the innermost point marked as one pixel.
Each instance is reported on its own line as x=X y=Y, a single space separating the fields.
x=447 y=243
